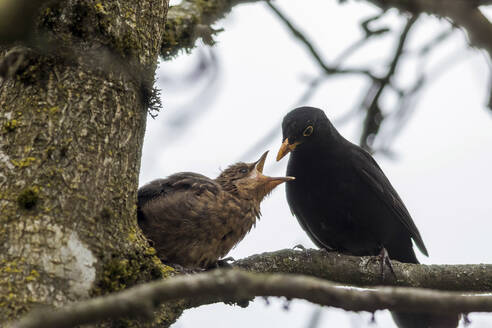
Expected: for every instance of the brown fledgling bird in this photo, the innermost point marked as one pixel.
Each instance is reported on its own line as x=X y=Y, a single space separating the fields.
x=193 y=221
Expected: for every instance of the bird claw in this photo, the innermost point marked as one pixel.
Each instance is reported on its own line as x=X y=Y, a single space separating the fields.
x=383 y=258
x=224 y=263
x=300 y=247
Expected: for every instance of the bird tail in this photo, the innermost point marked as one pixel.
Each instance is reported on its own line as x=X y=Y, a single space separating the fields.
x=424 y=320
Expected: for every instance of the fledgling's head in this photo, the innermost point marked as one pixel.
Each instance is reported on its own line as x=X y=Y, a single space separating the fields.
x=246 y=180
x=302 y=125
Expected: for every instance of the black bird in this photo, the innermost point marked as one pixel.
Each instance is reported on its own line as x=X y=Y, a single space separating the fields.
x=193 y=221
x=344 y=201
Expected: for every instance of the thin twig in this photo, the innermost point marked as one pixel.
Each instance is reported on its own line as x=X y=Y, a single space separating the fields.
x=374 y=115
x=329 y=70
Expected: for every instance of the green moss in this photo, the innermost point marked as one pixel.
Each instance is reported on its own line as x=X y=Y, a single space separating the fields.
x=100 y=8
x=34 y=275
x=11 y=125
x=127 y=45
x=9 y=267
x=132 y=236
x=122 y=272
x=117 y=275
x=13 y=303
x=24 y=162
x=150 y=251
x=182 y=20
x=51 y=110
x=28 y=198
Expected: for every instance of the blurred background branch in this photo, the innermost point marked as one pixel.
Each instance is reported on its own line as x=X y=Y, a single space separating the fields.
x=185 y=18
x=18 y=19
x=191 y=19
x=463 y=13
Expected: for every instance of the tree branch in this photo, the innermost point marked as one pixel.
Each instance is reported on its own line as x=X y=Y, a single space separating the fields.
x=328 y=70
x=229 y=285
x=364 y=271
x=190 y=20
x=374 y=116
x=463 y=13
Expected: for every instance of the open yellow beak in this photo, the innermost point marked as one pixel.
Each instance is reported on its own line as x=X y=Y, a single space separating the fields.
x=271 y=182
x=286 y=148
x=259 y=164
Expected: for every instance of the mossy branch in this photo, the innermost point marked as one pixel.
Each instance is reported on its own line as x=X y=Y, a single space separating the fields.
x=365 y=271
x=273 y=276
x=237 y=285
x=192 y=19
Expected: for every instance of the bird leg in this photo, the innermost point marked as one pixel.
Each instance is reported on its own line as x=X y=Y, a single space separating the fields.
x=382 y=258
x=385 y=259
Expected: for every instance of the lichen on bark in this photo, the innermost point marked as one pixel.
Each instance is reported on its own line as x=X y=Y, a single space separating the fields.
x=72 y=121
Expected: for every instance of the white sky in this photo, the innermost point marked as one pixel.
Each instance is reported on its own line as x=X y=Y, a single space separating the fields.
x=443 y=166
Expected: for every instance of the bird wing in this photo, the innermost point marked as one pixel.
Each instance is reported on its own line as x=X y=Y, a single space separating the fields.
x=370 y=172
x=179 y=181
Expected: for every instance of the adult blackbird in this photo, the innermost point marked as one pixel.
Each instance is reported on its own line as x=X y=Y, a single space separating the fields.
x=193 y=221
x=344 y=202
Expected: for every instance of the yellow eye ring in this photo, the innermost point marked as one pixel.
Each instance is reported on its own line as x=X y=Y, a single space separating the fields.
x=308 y=131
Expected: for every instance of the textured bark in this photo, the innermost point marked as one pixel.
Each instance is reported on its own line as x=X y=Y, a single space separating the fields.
x=228 y=285
x=72 y=118
x=294 y=274
x=72 y=121
x=365 y=271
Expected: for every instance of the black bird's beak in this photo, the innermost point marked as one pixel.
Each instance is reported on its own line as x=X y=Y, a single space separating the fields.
x=268 y=182
x=286 y=148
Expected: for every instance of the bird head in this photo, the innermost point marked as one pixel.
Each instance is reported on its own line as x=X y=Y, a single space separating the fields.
x=302 y=126
x=246 y=180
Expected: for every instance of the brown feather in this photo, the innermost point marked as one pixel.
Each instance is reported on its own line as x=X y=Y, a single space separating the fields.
x=194 y=221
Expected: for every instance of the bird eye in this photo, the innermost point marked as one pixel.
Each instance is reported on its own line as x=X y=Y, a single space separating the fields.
x=308 y=131
x=243 y=170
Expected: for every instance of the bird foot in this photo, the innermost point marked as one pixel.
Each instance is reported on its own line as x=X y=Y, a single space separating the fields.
x=224 y=263
x=300 y=247
x=383 y=258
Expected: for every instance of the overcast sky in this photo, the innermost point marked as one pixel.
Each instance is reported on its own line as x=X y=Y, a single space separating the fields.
x=442 y=168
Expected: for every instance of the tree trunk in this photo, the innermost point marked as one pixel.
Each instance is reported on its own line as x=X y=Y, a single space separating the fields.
x=72 y=122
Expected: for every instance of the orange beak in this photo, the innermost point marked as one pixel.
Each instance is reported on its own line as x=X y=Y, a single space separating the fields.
x=286 y=148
